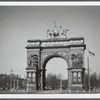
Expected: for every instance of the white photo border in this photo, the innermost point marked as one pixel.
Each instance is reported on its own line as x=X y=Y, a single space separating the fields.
x=49 y=96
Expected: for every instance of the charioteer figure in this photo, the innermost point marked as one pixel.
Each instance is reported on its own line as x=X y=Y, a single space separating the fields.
x=57 y=32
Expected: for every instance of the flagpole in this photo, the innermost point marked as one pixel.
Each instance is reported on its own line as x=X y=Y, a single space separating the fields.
x=88 y=74
x=92 y=54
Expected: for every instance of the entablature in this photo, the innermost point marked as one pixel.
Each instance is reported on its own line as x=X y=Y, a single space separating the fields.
x=56 y=42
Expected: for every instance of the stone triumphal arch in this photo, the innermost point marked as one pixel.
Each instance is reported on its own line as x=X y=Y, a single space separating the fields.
x=39 y=52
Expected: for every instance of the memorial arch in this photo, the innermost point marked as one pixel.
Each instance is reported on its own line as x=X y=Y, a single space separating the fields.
x=39 y=52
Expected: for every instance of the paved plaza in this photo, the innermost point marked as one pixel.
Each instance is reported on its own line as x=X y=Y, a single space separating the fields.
x=51 y=92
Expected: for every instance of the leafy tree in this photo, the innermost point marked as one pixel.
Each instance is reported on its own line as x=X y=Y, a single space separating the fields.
x=52 y=81
x=86 y=80
x=5 y=81
x=99 y=81
x=65 y=84
x=94 y=81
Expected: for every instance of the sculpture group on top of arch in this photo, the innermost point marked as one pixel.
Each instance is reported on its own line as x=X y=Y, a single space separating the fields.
x=57 y=31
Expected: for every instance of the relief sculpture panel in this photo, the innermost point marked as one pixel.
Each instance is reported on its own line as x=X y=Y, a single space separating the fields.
x=77 y=60
x=33 y=61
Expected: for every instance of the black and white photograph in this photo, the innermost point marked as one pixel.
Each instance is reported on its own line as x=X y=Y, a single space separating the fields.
x=47 y=49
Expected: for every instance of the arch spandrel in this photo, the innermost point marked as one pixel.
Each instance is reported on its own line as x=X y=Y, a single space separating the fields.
x=47 y=56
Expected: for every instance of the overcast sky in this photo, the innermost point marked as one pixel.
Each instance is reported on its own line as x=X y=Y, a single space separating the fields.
x=19 y=24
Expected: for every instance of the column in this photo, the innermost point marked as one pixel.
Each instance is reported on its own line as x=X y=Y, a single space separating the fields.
x=76 y=77
x=27 y=74
x=44 y=79
x=69 y=77
x=72 y=77
x=41 y=79
x=39 y=66
x=31 y=77
x=79 y=77
x=17 y=83
x=34 y=77
x=83 y=75
x=38 y=79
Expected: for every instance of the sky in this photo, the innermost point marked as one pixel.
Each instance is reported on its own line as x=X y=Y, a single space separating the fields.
x=19 y=24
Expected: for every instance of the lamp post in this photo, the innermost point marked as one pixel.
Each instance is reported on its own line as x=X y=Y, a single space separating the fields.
x=17 y=83
x=11 y=71
x=61 y=88
x=99 y=83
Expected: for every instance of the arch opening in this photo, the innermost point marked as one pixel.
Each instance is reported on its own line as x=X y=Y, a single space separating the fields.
x=55 y=70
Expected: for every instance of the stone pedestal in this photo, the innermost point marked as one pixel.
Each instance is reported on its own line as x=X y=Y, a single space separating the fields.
x=76 y=78
x=31 y=80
